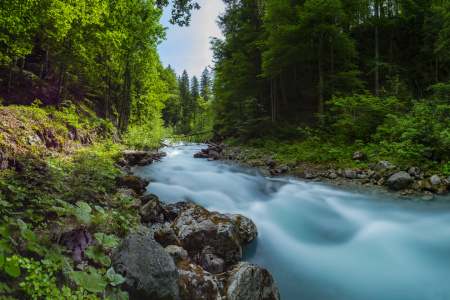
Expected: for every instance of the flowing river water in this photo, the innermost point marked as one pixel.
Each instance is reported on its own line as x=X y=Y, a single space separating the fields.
x=318 y=241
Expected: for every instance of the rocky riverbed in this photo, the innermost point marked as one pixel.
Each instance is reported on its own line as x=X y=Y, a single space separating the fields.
x=407 y=181
x=183 y=251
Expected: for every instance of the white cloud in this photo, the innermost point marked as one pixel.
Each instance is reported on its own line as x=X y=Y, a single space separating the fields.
x=188 y=47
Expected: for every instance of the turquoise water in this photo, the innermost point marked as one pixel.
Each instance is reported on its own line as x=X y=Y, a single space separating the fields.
x=319 y=242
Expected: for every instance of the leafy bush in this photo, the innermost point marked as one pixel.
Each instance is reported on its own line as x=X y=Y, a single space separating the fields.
x=359 y=115
x=38 y=184
x=148 y=135
x=425 y=128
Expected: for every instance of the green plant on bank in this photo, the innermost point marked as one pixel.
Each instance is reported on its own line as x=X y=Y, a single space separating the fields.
x=42 y=182
x=424 y=129
x=92 y=279
x=147 y=135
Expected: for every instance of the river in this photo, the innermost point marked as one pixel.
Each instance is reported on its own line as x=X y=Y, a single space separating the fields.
x=318 y=241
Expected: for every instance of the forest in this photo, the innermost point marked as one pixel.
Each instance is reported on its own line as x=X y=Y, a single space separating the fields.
x=308 y=79
x=324 y=75
x=294 y=82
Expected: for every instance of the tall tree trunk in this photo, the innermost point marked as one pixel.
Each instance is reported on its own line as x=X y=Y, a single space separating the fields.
x=272 y=101
x=8 y=86
x=61 y=74
x=124 y=111
x=437 y=68
x=44 y=65
x=321 y=103
x=332 y=66
x=22 y=66
x=283 y=91
x=377 y=53
x=295 y=79
x=60 y=81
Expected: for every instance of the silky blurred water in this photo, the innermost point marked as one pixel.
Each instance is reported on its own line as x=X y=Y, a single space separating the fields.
x=319 y=242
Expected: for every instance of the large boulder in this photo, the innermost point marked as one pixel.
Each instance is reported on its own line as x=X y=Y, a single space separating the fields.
x=149 y=270
x=399 y=181
x=197 y=228
x=196 y=283
x=250 y=282
x=247 y=229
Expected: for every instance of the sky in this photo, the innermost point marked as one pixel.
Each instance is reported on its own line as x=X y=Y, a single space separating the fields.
x=188 y=47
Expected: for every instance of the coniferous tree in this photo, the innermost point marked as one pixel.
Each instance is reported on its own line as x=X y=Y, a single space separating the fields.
x=194 y=95
x=205 y=84
x=185 y=97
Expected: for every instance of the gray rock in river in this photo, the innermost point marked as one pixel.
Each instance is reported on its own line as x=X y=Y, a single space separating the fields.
x=197 y=228
x=399 y=181
x=196 y=283
x=250 y=282
x=247 y=229
x=149 y=270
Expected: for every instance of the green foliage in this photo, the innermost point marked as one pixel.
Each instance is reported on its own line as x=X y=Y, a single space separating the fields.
x=425 y=127
x=106 y=240
x=42 y=281
x=359 y=115
x=145 y=136
x=40 y=184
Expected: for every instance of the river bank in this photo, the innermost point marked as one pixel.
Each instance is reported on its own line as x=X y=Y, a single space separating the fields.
x=384 y=176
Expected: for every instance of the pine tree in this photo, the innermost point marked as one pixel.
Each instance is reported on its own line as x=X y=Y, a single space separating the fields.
x=185 y=97
x=205 y=84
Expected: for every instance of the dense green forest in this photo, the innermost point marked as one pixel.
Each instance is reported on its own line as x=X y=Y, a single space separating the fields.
x=375 y=72
x=298 y=77
x=102 y=54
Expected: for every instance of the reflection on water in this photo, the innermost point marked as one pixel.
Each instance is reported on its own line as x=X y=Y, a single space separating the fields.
x=317 y=241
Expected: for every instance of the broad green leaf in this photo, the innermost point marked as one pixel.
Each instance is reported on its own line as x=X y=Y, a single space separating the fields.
x=105 y=260
x=82 y=215
x=60 y=210
x=100 y=209
x=84 y=206
x=22 y=224
x=12 y=268
x=114 y=278
x=28 y=234
x=118 y=279
x=5 y=203
x=95 y=253
x=91 y=282
x=111 y=273
x=4 y=246
x=107 y=240
x=2 y=260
